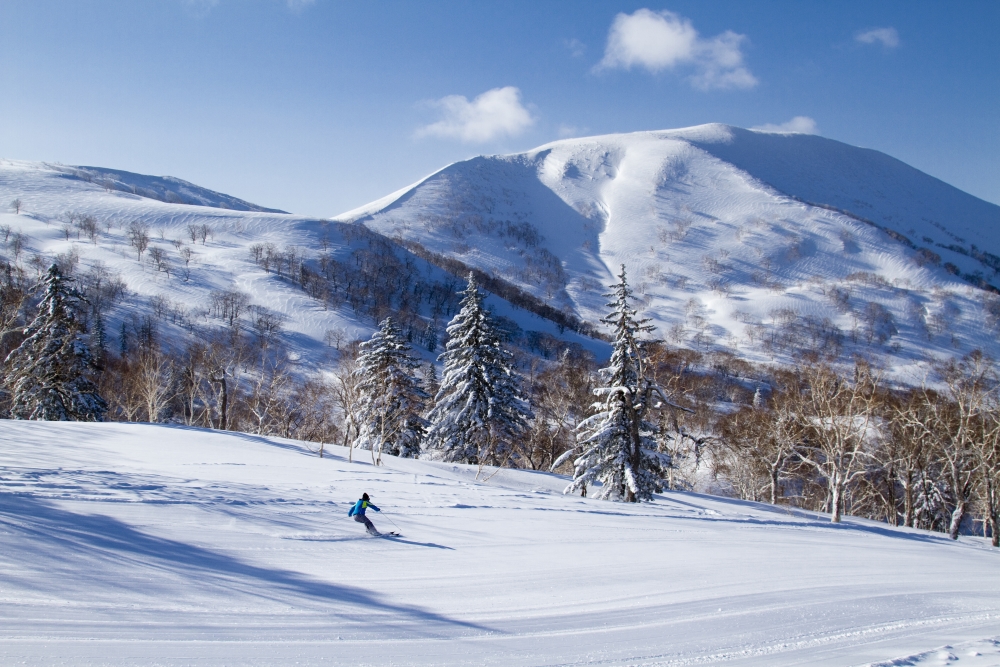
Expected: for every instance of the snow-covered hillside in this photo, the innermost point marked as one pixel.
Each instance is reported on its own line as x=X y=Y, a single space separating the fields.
x=162 y=188
x=133 y=544
x=203 y=248
x=760 y=243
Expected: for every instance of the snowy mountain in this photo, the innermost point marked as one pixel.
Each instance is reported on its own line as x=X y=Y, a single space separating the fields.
x=138 y=544
x=214 y=243
x=757 y=243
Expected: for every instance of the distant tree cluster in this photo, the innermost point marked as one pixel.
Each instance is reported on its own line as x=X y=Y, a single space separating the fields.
x=921 y=457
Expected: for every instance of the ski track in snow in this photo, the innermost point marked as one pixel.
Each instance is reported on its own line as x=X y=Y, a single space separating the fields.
x=134 y=544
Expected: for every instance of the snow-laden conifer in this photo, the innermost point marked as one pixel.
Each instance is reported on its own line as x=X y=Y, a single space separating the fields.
x=479 y=411
x=391 y=397
x=619 y=449
x=49 y=374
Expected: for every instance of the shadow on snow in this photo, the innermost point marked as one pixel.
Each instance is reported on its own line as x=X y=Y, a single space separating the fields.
x=93 y=540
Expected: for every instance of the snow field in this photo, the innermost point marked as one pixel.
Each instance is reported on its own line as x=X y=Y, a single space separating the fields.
x=136 y=544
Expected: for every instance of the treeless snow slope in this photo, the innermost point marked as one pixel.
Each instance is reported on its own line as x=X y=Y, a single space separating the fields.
x=864 y=182
x=719 y=228
x=131 y=544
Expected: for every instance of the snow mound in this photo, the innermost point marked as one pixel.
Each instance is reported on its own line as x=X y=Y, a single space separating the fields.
x=133 y=544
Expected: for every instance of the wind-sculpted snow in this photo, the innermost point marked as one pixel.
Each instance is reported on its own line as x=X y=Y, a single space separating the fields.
x=162 y=188
x=133 y=544
x=865 y=183
x=762 y=244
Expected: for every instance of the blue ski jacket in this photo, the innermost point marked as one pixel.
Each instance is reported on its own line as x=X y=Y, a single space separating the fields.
x=360 y=507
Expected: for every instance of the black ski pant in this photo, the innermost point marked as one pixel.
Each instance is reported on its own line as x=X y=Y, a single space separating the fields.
x=361 y=518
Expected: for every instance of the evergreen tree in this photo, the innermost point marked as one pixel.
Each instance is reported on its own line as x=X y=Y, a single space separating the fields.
x=619 y=447
x=98 y=335
x=390 y=395
x=478 y=410
x=123 y=341
x=431 y=379
x=49 y=375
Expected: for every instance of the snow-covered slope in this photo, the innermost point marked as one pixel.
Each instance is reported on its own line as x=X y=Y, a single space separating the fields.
x=162 y=188
x=132 y=544
x=863 y=182
x=728 y=234
x=220 y=257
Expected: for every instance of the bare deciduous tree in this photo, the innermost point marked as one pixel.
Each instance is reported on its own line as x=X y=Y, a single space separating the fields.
x=840 y=423
x=229 y=305
x=17 y=243
x=138 y=237
x=87 y=225
x=158 y=257
x=335 y=337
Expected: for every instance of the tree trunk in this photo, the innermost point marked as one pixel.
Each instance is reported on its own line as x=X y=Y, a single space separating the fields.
x=956 y=519
x=774 y=485
x=224 y=404
x=891 y=502
x=835 y=501
x=908 y=500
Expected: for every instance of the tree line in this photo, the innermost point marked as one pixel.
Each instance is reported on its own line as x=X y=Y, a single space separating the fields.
x=817 y=436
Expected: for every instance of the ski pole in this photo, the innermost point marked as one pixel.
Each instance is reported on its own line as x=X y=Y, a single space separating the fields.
x=392 y=522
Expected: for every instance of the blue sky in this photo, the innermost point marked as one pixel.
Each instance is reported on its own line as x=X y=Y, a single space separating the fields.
x=320 y=106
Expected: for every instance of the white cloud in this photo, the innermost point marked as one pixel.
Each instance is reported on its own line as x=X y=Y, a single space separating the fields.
x=494 y=114
x=575 y=47
x=797 y=125
x=888 y=37
x=664 y=40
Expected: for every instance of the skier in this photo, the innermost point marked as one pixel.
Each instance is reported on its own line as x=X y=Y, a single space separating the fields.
x=358 y=512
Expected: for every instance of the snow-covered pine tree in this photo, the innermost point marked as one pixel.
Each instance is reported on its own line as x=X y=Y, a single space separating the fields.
x=431 y=379
x=619 y=447
x=49 y=374
x=479 y=411
x=391 y=397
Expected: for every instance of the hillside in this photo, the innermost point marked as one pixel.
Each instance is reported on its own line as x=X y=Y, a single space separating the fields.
x=766 y=245
x=132 y=544
x=201 y=242
x=161 y=188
